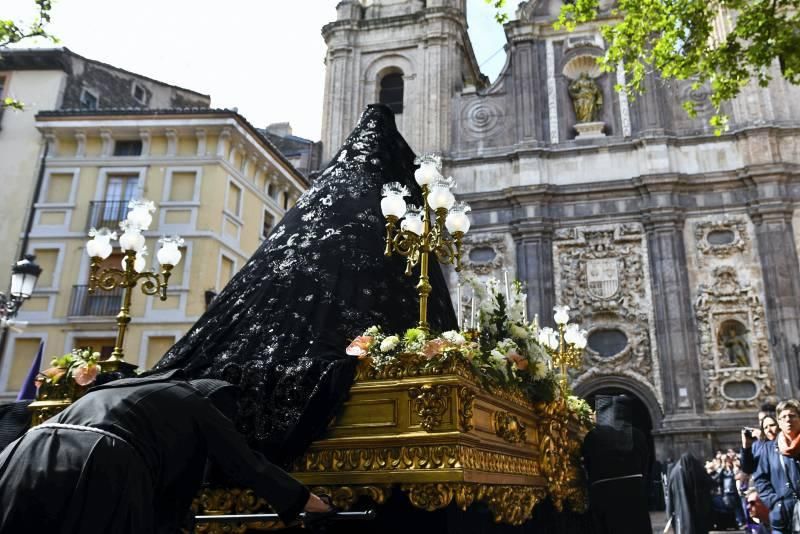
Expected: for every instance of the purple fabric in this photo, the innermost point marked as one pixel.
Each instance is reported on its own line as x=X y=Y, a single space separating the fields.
x=28 y=390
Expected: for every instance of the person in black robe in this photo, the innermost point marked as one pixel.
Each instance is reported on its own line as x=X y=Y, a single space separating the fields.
x=689 y=496
x=129 y=457
x=617 y=462
x=280 y=328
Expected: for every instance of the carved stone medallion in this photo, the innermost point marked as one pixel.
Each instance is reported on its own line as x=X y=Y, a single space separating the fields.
x=721 y=238
x=601 y=274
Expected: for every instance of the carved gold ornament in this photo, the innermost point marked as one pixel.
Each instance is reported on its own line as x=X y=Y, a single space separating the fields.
x=430 y=403
x=508 y=427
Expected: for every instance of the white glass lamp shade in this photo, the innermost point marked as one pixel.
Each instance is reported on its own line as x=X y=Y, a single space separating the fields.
x=548 y=338
x=131 y=239
x=580 y=342
x=457 y=220
x=100 y=244
x=572 y=334
x=169 y=253
x=139 y=261
x=561 y=315
x=140 y=213
x=439 y=195
x=429 y=166
x=413 y=221
x=24 y=275
x=392 y=203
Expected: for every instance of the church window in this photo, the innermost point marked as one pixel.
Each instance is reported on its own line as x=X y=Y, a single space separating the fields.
x=391 y=92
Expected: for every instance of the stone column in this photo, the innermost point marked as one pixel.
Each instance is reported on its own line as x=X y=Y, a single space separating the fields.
x=772 y=218
x=676 y=333
x=534 y=240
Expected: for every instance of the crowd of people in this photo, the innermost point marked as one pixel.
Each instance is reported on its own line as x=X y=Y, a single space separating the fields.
x=755 y=489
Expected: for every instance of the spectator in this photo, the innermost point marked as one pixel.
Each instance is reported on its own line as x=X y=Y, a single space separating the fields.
x=758 y=513
x=778 y=475
x=753 y=440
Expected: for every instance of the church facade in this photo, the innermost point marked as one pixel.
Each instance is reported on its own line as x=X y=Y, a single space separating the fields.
x=676 y=249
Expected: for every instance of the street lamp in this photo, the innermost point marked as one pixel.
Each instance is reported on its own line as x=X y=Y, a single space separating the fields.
x=24 y=275
x=132 y=268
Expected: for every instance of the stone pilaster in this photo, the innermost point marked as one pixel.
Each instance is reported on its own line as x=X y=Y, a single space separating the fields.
x=772 y=219
x=534 y=241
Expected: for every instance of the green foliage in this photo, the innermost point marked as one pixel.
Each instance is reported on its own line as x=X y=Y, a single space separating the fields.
x=12 y=32
x=721 y=43
x=498 y=5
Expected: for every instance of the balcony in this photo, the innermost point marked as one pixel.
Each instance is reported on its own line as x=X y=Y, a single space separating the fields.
x=98 y=304
x=106 y=213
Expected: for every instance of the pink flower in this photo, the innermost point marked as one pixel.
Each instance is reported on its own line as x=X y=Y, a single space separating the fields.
x=359 y=346
x=433 y=347
x=85 y=374
x=519 y=361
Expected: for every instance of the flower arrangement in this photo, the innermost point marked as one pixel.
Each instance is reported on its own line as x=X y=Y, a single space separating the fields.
x=503 y=349
x=80 y=365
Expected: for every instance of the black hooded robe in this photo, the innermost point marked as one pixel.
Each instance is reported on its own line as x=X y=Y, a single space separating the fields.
x=617 y=463
x=138 y=471
x=280 y=328
x=689 y=496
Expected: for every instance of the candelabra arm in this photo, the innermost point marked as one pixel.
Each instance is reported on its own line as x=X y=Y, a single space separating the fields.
x=391 y=220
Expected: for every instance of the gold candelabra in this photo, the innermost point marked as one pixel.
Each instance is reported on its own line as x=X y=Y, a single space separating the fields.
x=132 y=242
x=564 y=345
x=109 y=279
x=419 y=235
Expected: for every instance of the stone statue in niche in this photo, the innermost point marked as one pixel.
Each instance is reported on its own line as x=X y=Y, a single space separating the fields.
x=734 y=344
x=587 y=98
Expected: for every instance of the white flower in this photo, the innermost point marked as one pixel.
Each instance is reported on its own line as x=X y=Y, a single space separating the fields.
x=389 y=343
x=538 y=369
x=518 y=332
x=498 y=356
x=451 y=336
x=372 y=331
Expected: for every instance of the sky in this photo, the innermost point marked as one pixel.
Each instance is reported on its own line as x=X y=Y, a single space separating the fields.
x=263 y=57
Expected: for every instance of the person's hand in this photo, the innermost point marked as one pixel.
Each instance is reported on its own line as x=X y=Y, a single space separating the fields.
x=747 y=439
x=316 y=505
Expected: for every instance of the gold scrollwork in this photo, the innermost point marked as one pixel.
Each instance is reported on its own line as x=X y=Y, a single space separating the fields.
x=422 y=457
x=412 y=364
x=430 y=403
x=509 y=504
x=221 y=501
x=346 y=496
x=466 y=397
x=559 y=456
x=508 y=427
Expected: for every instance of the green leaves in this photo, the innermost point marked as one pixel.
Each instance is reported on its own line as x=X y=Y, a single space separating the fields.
x=12 y=32
x=720 y=43
x=498 y=5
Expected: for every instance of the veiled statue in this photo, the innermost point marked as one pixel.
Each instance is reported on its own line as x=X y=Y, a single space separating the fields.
x=587 y=99
x=280 y=328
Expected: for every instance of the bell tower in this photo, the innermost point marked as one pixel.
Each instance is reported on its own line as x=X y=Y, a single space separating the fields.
x=413 y=55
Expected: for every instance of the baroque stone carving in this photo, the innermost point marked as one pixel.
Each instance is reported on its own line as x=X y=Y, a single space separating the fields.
x=739 y=242
x=481 y=117
x=730 y=355
x=493 y=242
x=601 y=274
x=508 y=427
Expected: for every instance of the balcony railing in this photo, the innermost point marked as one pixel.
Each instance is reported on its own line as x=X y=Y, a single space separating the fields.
x=106 y=213
x=98 y=304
